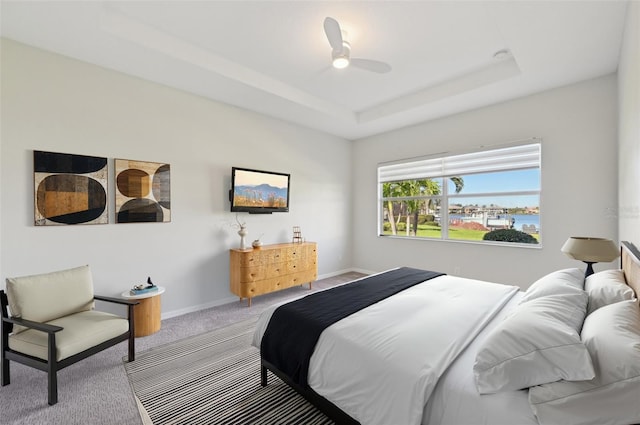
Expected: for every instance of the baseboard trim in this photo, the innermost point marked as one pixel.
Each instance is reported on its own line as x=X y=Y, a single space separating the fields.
x=193 y=309
x=364 y=271
x=336 y=273
x=227 y=300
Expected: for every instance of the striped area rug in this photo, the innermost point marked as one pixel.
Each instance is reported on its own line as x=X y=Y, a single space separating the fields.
x=214 y=378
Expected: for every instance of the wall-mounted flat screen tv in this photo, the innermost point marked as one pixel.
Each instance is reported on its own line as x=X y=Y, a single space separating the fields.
x=259 y=191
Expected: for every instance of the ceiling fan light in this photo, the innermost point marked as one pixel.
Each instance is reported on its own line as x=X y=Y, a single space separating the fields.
x=340 y=62
x=340 y=58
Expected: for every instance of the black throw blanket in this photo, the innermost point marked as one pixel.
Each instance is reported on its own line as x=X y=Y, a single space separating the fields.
x=294 y=328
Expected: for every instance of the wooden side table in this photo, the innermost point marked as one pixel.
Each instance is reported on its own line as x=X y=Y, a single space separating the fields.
x=146 y=315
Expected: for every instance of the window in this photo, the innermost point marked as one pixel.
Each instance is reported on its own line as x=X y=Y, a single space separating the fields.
x=491 y=195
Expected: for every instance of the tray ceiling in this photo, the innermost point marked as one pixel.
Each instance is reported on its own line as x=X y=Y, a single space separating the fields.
x=274 y=57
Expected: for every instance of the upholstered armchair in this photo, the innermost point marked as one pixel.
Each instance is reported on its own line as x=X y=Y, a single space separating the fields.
x=53 y=324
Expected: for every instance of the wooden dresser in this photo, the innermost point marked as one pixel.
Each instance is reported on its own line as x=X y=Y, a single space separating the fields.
x=271 y=268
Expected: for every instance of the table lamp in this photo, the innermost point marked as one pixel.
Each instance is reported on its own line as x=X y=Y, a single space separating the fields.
x=590 y=250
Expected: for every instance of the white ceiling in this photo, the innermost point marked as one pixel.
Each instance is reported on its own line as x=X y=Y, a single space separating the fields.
x=274 y=58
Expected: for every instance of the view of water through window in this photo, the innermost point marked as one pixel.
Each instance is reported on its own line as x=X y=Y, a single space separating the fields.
x=497 y=206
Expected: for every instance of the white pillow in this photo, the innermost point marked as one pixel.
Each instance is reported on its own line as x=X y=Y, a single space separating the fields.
x=539 y=342
x=606 y=287
x=558 y=282
x=612 y=336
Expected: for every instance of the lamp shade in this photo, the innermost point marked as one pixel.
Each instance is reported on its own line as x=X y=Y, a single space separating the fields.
x=590 y=250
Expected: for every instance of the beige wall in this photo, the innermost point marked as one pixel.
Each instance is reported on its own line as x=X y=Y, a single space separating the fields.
x=57 y=104
x=629 y=127
x=577 y=125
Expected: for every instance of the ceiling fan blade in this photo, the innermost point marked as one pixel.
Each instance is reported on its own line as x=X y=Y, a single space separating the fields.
x=333 y=32
x=371 y=65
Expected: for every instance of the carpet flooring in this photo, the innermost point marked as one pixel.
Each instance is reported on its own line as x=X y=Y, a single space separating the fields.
x=97 y=391
x=214 y=378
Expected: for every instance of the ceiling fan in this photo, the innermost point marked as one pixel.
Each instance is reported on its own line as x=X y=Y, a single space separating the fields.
x=341 y=51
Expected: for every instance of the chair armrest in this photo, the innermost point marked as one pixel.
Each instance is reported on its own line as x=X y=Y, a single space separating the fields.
x=115 y=300
x=44 y=327
x=130 y=305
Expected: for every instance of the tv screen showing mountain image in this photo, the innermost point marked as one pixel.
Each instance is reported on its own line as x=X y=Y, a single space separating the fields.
x=259 y=191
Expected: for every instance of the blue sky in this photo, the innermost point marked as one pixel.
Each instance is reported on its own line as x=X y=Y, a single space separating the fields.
x=506 y=181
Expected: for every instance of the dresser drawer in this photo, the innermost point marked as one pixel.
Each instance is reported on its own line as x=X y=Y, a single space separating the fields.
x=271 y=268
x=261 y=257
x=261 y=287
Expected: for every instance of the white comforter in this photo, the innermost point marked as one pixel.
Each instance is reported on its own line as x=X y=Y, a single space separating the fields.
x=381 y=364
x=456 y=401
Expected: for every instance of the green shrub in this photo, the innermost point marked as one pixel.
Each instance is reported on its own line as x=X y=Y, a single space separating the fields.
x=509 y=235
x=386 y=226
x=426 y=218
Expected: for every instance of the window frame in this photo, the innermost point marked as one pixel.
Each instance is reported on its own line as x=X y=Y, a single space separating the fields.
x=446 y=199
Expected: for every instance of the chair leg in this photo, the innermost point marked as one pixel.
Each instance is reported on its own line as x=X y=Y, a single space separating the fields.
x=132 y=335
x=52 y=370
x=6 y=378
x=53 y=386
x=132 y=347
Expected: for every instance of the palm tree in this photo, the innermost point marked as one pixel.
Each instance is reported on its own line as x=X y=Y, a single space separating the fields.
x=414 y=188
x=458 y=182
x=419 y=188
x=391 y=190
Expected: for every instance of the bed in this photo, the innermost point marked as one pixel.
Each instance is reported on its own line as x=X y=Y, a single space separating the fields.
x=450 y=350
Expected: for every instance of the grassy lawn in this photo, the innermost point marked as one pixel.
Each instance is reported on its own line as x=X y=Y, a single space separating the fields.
x=433 y=231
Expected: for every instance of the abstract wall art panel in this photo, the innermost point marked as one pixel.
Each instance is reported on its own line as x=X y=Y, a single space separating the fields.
x=143 y=191
x=69 y=189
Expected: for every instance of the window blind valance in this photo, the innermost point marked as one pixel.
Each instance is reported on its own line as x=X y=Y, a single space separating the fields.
x=518 y=157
